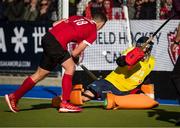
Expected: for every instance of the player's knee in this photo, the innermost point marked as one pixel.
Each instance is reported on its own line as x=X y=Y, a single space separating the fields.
x=70 y=69
x=39 y=75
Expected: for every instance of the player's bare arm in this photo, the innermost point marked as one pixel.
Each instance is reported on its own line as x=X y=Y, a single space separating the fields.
x=77 y=51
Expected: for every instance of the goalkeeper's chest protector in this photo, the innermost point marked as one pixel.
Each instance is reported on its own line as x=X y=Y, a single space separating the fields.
x=125 y=79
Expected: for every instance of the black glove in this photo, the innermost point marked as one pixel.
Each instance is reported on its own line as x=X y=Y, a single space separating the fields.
x=120 y=61
x=75 y=59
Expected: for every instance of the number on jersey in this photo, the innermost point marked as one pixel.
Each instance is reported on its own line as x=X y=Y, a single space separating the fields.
x=80 y=22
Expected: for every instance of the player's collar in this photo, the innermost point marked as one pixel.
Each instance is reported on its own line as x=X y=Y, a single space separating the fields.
x=94 y=21
x=90 y=20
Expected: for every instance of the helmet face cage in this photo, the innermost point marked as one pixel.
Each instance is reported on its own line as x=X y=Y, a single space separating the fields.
x=141 y=41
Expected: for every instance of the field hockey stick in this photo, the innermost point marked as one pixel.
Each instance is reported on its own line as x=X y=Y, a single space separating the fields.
x=71 y=47
x=152 y=37
x=88 y=72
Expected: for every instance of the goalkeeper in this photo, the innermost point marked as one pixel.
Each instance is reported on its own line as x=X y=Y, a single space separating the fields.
x=133 y=67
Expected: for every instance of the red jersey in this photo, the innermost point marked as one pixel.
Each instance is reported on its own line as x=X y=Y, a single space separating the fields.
x=75 y=29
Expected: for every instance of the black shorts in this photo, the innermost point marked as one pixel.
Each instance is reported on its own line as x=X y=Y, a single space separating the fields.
x=53 y=53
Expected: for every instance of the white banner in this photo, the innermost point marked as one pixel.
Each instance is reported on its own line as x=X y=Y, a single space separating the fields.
x=111 y=41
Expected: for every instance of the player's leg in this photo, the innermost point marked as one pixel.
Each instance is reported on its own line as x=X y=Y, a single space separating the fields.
x=69 y=68
x=65 y=106
x=99 y=89
x=46 y=65
x=96 y=90
x=59 y=55
x=26 y=86
x=42 y=71
x=92 y=91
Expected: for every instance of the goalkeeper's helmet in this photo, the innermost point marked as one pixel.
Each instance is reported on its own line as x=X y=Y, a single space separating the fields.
x=142 y=40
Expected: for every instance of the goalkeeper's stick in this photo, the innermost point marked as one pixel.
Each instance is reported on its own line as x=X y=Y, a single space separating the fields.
x=152 y=37
x=71 y=47
x=88 y=72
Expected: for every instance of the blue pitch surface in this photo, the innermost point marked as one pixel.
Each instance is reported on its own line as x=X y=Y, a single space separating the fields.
x=52 y=91
x=36 y=92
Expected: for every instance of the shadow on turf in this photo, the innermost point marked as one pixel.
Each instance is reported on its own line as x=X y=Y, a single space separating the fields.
x=93 y=106
x=48 y=105
x=163 y=115
x=39 y=106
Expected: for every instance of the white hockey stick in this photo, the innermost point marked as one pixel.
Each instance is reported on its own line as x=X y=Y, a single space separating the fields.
x=125 y=8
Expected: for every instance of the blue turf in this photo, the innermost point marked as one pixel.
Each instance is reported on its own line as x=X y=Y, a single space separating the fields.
x=36 y=92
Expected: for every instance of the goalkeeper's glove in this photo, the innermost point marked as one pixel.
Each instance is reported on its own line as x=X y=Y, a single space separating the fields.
x=134 y=56
x=120 y=61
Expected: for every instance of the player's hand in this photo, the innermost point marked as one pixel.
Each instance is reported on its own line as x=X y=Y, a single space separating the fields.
x=120 y=61
x=134 y=56
x=75 y=59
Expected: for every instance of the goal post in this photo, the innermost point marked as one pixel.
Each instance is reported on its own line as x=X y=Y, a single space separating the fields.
x=63 y=12
x=128 y=30
x=63 y=9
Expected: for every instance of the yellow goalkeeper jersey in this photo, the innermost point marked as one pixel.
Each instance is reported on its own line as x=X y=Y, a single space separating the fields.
x=126 y=79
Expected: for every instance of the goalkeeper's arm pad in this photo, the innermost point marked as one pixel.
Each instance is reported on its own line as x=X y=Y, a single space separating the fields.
x=134 y=56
